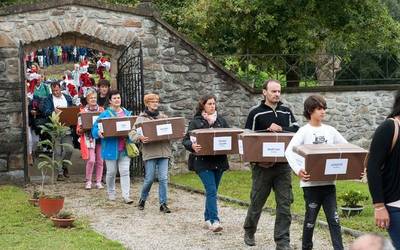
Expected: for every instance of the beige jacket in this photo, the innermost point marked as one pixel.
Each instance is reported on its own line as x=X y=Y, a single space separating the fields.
x=151 y=150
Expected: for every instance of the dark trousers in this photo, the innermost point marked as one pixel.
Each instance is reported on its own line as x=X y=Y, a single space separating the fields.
x=279 y=179
x=314 y=197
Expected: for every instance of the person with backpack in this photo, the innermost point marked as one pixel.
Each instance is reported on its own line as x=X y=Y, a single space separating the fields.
x=383 y=173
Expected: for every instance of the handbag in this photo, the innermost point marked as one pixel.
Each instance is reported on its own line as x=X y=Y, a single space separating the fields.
x=131 y=149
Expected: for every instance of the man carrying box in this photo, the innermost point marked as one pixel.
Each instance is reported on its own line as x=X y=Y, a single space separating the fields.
x=271 y=116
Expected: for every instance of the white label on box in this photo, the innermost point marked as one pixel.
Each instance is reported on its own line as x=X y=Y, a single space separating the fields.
x=240 y=146
x=193 y=139
x=164 y=129
x=100 y=125
x=123 y=126
x=139 y=131
x=94 y=118
x=336 y=166
x=273 y=149
x=222 y=143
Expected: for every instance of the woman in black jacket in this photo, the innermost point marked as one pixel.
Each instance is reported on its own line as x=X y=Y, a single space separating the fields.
x=210 y=167
x=383 y=172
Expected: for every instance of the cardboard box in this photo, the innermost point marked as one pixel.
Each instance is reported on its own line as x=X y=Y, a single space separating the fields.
x=117 y=126
x=162 y=129
x=216 y=141
x=87 y=119
x=263 y=147
x=69 y=116
x=327 y=162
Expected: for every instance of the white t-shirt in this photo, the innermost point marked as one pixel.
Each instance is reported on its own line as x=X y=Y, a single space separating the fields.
x=60 y=102
x=308 y=134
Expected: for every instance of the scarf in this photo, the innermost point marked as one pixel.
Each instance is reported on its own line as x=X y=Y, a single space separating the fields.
x=209 y=118
x=152 y=114
x=87 y=108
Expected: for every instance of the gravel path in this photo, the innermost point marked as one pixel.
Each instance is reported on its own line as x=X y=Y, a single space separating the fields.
x=182 y=229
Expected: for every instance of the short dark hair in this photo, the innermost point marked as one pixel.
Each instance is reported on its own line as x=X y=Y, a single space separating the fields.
x=103 y=82
x=203 y=100
x=311 y=103
x=265 y=85
x=55 y=84
x=113 y=92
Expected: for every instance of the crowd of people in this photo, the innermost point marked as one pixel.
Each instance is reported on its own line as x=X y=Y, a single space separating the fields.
x=270 y=115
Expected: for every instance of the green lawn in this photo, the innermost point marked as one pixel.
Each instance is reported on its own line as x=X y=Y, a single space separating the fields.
x=237 y=184
x=23 y=227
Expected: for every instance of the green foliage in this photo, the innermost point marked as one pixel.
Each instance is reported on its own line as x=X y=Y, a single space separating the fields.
x=63 y=214
x=56 y=131
x=352 y=198
x=23 y=227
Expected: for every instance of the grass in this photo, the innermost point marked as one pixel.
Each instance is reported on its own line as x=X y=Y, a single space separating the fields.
x=23 y=227
x=237 y=184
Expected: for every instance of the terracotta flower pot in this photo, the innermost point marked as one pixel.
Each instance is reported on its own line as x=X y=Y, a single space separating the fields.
x=51 y=205
x=34 y=202
x=62 y=222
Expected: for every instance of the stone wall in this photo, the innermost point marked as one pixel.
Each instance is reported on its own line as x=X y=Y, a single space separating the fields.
x=173 y=68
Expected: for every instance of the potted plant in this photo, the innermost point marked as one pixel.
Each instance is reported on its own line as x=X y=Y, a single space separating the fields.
x=34 y=200
x=52 y=204
x=63 y=219
x=352 y=201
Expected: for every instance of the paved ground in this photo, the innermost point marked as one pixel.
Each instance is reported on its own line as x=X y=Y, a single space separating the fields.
x=182 y=229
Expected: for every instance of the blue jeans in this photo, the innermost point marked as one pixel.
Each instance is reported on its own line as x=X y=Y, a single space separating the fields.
x=150 y=167
x=394 y=228
x=211 y=180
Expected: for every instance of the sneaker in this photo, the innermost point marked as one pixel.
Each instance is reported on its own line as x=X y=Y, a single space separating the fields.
x=65 y=172
x=141 y=204
x=165 y=209
x=88 y=185
x=249 y=239
x=216 y=226
x=128 y=201
x=99 y=185
x=111 y=197
x=207 y=225
x=60 y=177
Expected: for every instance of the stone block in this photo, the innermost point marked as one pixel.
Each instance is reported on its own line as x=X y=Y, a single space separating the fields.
x=16 y=161
x=15 y=177
x=198 y=68
x=174 y=68
x=132 y=23
x=3 y=165
x=6 y=42
x=183 y=52
x=168 y=52
x=8 y=52
x=2 y=66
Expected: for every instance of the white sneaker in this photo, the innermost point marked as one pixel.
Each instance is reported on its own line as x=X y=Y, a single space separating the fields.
x=99 y=185
x=111 y=197
x=88 y=185
x=128 y=201
x=207 y=225
x=216 y=227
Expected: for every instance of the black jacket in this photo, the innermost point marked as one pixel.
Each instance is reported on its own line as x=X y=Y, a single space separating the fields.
x=262 y=116
x=205 y=162
x=383 y=170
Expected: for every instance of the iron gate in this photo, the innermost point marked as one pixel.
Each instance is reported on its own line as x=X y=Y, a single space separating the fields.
x=131 y=86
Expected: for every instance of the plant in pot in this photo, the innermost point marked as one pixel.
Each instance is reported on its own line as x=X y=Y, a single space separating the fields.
x=352 y=200
x=52 y=204
x=34 y=200
x=63 y=219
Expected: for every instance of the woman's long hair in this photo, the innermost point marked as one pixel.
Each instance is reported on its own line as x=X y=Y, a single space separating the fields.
x=203 y=100
x=396 y=106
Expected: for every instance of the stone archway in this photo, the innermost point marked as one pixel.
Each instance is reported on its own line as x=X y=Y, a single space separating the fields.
x=173 y=67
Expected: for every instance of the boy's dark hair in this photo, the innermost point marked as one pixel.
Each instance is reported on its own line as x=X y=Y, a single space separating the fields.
x=311 y=103
x=103 y=82
x=113 y=92
x=396 y=106
x=54 y=84
x=203 y=100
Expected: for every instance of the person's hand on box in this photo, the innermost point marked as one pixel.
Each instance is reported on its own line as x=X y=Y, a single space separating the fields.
x=274 y=128
x=303 y=175
x=196 y=147
x=100 y=134
x=144 y=139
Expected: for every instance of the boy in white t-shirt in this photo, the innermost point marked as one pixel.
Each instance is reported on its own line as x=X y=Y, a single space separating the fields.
x=316 y=193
